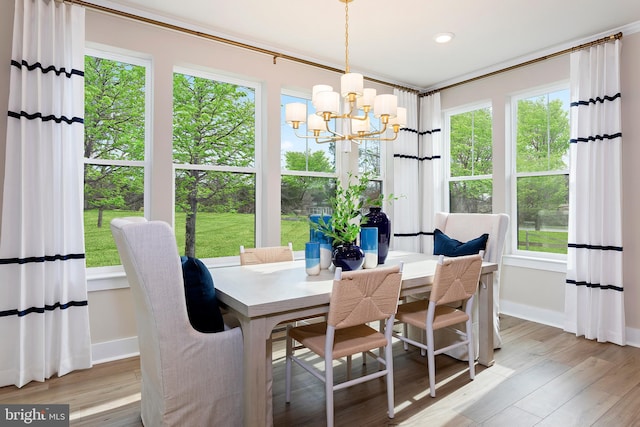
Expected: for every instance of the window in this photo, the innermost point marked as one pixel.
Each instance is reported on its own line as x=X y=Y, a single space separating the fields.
x=469 y=135
x=114 y=149
x=308 y=178
x=371 y=161
x=214 y=153
x=541 y=138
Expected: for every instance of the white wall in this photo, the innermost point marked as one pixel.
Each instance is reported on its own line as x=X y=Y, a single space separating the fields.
x=527 y=292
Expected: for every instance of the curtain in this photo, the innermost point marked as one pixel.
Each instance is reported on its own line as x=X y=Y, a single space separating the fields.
x=594 y=298
x=432 y=177
x=406 y=166
x=44 y=319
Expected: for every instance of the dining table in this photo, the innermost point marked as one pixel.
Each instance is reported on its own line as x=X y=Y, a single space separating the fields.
x=263 y=295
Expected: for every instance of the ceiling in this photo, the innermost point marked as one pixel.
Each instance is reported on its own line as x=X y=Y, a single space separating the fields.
x=393 y=41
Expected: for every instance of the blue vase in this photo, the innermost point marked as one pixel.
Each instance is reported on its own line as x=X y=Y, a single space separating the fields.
x=312 y=258
x=369 y=244
x=317 y=235
x=348 y=256
x=325 y=242
x=380 y=220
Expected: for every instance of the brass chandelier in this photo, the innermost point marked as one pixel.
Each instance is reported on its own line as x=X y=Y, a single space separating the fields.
x=358 y=104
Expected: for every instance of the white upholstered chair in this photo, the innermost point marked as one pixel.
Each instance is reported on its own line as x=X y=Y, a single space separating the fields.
x=456 y=279
x=464 y=227
x=189 y=378
x=357 y=298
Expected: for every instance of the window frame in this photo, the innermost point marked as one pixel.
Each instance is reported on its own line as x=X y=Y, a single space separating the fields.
x=511 y=156
x=142 y=60
x=256 y=170
x=447 y=114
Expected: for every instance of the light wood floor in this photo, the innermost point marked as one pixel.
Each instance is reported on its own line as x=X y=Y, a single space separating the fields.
x=542 y=376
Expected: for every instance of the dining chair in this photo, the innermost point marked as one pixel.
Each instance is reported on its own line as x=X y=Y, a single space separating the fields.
x=455 y=279
x=464 y=227
x=357 y=298
x=250 y=256
x=265 y=255
x=189 y=378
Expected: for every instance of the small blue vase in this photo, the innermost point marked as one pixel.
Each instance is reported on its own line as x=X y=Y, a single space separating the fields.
x=348 y=256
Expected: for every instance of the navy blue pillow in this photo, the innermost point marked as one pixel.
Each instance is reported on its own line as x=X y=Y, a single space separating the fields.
x=447 y=246
x=202 y=304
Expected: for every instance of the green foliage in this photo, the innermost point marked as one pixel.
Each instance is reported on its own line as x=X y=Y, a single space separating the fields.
x=542 y=145
x=300 y=191
x=346 y=218
x=213 y=123
x=471 y=196
x=471 y=143
x=114 y=129
x=543 y=135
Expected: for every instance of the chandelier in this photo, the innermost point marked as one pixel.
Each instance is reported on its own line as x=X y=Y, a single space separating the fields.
x=345 y=116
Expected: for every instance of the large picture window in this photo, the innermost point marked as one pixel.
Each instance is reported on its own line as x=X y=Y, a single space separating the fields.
x=214 y=146
x=469 y=135
x=116 y=99
x=541 y=138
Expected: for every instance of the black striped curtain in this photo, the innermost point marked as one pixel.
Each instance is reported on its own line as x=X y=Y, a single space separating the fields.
x=406 y=167
x=44 y=320
x=594 y=297
x=418 y=178
x=431 y=148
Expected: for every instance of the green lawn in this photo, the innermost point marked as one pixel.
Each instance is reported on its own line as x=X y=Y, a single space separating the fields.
x=543 y=241
x=218 y=235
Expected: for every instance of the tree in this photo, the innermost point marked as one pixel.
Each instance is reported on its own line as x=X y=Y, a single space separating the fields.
x=114 y=130
x=542 y=145
x=213 y=124
x=471 y=155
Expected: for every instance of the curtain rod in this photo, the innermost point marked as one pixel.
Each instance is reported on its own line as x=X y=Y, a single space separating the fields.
x=268 y=52
x=606 y=39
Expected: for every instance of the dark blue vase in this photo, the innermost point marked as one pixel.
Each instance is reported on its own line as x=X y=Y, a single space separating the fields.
x=348 y=256
x=379 y=219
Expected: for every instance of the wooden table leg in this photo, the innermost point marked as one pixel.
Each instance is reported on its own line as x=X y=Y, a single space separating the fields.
x=256 y=377
x=485 y=314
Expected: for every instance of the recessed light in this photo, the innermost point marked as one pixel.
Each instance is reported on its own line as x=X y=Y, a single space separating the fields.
x=443 y=37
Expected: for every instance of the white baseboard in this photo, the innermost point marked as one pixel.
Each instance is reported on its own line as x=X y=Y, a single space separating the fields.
x=553 y=318
x=128 y=347
x=534 y=314
x=114 y=350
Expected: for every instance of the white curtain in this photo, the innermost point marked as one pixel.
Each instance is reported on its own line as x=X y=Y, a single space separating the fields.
x=594 y=298
x=44 y=320
x=432 y=177
x=406 y=166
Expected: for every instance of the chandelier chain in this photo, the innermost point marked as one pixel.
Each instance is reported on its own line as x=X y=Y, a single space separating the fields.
x=353 y=106
x=346 y=36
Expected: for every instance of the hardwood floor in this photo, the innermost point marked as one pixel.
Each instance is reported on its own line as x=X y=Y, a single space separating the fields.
x=542 y=376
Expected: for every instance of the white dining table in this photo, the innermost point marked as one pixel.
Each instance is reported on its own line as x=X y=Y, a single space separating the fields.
x=264 y=295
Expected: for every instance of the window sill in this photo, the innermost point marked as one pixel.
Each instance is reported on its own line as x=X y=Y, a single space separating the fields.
x=554 y=265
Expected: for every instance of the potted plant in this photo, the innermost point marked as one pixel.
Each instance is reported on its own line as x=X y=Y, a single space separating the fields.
x=346 y=220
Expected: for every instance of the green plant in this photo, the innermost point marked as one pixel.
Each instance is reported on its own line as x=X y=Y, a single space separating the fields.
x=346 y=219
x=380 y=199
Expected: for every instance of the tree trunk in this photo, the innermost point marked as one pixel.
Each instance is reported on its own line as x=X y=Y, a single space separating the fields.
x=190 y=224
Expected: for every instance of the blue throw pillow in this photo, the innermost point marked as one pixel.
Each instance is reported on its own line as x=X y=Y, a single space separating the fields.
x=447 y=246
x=202 y=304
